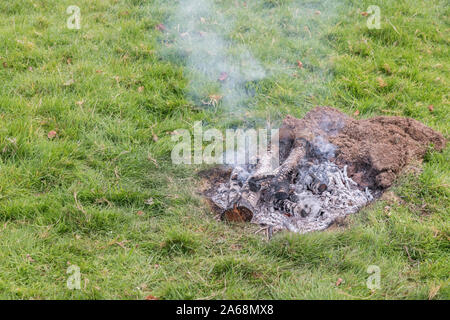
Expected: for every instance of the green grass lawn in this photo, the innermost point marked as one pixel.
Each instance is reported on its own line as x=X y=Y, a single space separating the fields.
x=103 y=194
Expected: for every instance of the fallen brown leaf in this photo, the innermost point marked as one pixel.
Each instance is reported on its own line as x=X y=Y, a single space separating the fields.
x=214 y=99
x=365 y=14
x=381 y=82
x=223 y=76
x=431 y=108
x=122 y=243
x=51 y=134
x=150 y=297
x=150 y=158
x=161 y=27
x=433 y=292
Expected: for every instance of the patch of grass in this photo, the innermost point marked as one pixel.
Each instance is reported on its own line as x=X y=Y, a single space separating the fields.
x=103 y=194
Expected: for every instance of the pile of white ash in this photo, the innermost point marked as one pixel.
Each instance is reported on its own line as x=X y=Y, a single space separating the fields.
x=307 y=192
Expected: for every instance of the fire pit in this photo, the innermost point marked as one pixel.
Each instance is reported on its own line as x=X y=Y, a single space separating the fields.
x=330 y=166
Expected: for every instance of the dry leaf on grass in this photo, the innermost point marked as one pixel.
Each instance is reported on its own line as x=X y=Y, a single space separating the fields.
x=433 y=292
x=52 y=134
x=431 y=108
x=150 y=297
x=150 y=158
x=161 y=27
x=381 y=82
x=223 y=76
x=214 y=99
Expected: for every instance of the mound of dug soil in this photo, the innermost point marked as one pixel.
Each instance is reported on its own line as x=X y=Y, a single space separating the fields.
x=375 y=150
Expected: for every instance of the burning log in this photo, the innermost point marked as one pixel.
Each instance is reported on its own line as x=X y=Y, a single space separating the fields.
x=242 y=210
x=289 y=207
x=241 y=200
x=284 y=171
x=317 y=186
x=283 y=174
x=282 y=190
x=264 y=170
x=302 y=208
x=244 y=196
x=316 y=182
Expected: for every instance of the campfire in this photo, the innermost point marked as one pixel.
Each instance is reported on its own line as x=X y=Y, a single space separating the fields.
x=330 y=166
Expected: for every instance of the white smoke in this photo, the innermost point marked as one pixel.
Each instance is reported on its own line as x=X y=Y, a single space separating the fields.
x=216 y=66
x=227 y=47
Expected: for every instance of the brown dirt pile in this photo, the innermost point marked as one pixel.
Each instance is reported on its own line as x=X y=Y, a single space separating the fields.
x=375 y=150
